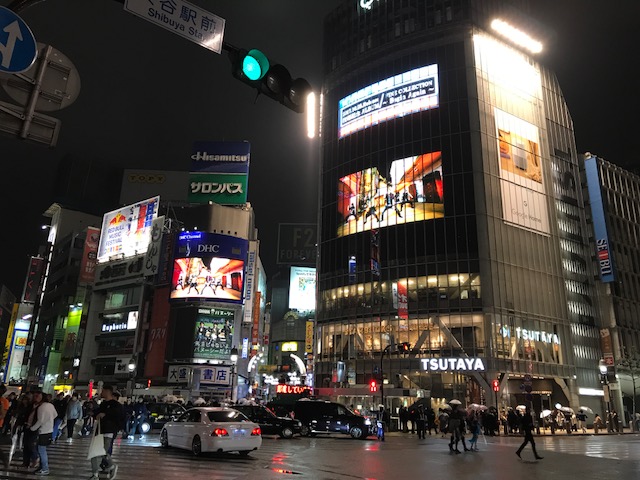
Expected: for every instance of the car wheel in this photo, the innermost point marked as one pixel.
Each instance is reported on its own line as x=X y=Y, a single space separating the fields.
x=196 y=446
x=244 y=453
x=287 y=432
x=305 y=431
x=164 y=439
x=357 y=433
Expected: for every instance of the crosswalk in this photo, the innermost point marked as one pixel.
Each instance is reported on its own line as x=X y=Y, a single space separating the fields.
x=145 y=458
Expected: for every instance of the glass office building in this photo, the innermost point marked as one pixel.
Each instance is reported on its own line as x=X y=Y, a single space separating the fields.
x=451 y=211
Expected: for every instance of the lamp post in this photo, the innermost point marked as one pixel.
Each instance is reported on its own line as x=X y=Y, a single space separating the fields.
x=386 y=349
x=605 y=387
x=234 y=358
x=132 y=368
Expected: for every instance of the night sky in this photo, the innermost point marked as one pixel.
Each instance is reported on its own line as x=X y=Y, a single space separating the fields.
x=147 y=94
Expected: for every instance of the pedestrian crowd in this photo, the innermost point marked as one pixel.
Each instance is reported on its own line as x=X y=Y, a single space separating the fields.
x=32 y=421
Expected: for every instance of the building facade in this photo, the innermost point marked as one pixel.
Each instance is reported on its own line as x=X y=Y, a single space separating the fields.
x=451 y=212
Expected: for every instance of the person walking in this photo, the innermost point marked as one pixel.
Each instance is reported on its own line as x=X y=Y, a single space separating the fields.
x=582 y=421
x=526 y=425
x=474 y=428
x=403 y=414
x=111 y=417
x=454 y=430
x=45 y=416
x=380 y=423
x=443 y=422
x=4 y=409
x=140 y=415
x=421 y=422
x=74 y=413
x=61 y=408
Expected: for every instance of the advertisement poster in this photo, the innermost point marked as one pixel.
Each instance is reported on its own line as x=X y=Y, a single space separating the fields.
x=219 y=172
x=34 y=279
x=208 y=266
x=410 y=190
x=89 y=256
x=397 y=96
x=213 y=333
x=127 y=231
x=152 y=257
x=523 y=193
x=302 y=288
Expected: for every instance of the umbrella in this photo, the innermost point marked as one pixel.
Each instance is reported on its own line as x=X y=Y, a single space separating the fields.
x=566 y=409
x=521 y=407
x=455 y=402
x=586 y=410
x=475 y=406
x=14 y=445
x=545 y=413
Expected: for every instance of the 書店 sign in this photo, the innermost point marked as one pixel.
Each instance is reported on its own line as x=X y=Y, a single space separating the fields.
x=455 y=364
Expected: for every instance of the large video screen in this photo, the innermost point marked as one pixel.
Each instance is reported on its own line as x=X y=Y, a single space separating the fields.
x=397 y=96
x=208 y=266
x=411 y=190
x=213 y=333
x=302 y=288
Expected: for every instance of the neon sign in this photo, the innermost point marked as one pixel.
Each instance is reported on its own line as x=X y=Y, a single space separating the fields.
x=452 y=364
x=292 y=389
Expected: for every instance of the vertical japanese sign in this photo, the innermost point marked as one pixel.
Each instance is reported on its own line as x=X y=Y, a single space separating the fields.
x=401 y=289
x=152 y=257
x=607 y=346
x=249 y=277
x=255 y=327
x=89 y=256
x=34 y=280
x=308 y=337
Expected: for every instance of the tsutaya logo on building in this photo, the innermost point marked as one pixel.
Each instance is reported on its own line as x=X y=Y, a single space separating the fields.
x=534 y=335
x=453 y=364
x=366 y=4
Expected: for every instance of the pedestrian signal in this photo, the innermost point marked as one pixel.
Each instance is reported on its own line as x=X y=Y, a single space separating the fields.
x=496 y=385
x=373 y=386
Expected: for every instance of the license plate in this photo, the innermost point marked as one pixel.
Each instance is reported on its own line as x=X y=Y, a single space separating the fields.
x=240 y=433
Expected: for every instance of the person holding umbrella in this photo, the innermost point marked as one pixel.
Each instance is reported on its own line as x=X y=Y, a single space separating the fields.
x=526 y=423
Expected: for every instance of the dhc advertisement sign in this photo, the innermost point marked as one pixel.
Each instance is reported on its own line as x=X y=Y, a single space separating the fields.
x=208 y=266
x=603 y=252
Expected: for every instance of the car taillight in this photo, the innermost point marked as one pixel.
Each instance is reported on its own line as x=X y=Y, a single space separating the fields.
x=220 y=432
x=256 y=431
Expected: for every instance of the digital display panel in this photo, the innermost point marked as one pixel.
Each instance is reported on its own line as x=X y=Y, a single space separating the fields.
x=397 y=96
x=410 y=190
x=208 y=266
x=213 y=333
x=302 y=288
x=127 y=231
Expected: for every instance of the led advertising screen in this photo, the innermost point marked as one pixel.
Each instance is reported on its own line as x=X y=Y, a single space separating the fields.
x=213 y=333
x=302 y=288
x=397 y=96
x=523 y=193
x=411 y=190
x=127 y=231
x=208 y=266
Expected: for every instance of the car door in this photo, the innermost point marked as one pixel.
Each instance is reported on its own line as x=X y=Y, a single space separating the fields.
x=175 y=430
x=191 y=427
x=267 y=422
x=326 y=422
x=342 y=420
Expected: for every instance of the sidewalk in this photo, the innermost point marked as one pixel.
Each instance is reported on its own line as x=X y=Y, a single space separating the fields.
x=543 y=433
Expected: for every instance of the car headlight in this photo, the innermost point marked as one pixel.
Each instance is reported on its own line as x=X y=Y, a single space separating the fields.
x=367 y=422
x=299 y=423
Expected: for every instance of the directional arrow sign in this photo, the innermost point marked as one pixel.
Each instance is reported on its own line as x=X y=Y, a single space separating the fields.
x=17 y=43
x=182 y=18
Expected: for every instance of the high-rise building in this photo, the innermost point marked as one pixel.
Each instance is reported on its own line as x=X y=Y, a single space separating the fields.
x=452 y=214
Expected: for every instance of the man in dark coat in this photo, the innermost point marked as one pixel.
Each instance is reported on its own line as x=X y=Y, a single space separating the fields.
x=526 y=425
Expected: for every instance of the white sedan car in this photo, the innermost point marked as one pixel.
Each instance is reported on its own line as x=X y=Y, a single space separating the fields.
x=212 y=429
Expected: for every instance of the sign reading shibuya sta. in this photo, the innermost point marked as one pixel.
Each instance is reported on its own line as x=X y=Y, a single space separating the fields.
x=397 y=96
x=182 y=18
x=219 y=172
x=455 y=364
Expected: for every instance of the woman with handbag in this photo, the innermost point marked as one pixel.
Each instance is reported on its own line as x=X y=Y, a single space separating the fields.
x=45 y=415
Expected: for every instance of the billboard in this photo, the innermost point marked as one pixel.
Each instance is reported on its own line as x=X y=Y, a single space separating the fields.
x=213 y=334
x=397 y=96
x=523 y=192
x=297 y=243
x=127 y=231
x=603 y=251
x=410 y=190
x=302 y=288
x=219 y=172
x=89 y=256
x=208 y=266
x=34 y=280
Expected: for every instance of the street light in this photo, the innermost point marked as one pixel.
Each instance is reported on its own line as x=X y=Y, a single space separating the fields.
x=234 y=358
x=604 y=378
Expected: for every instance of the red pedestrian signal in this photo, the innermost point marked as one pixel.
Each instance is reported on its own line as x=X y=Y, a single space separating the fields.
x=373 y=386
x=496 y=385
x=404 y=347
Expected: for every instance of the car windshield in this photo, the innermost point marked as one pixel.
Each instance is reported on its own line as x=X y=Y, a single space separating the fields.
x=227 y=416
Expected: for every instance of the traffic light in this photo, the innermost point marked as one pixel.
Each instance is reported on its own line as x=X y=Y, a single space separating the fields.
x=495 y=384
x=254 y=68
x=404 y=347
x=373 y=386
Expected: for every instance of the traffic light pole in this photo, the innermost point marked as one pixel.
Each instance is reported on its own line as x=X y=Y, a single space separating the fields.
x=386 y=349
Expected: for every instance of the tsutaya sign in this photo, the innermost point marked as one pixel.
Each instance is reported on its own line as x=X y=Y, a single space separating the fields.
x=366 y=4
x=453 y=364
x=534 y=335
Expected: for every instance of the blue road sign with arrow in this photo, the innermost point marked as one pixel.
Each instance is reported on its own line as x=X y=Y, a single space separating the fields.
x=18 y=48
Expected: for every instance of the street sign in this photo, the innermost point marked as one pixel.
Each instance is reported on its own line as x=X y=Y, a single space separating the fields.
x=182 y=18
x=17 y=43
x=42 y=129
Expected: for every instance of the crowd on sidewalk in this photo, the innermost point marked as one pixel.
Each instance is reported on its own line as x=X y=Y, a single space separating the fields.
x=32 y=421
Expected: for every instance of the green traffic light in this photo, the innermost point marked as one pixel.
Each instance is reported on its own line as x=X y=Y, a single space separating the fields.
x=255 y=65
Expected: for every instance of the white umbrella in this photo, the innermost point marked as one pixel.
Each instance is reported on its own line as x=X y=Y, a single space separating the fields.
x=455 y=402
x=586 y=410
x=566 y=409
x=475 y=406
x=14 y=445
x=545 y=413
x=521 y=407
